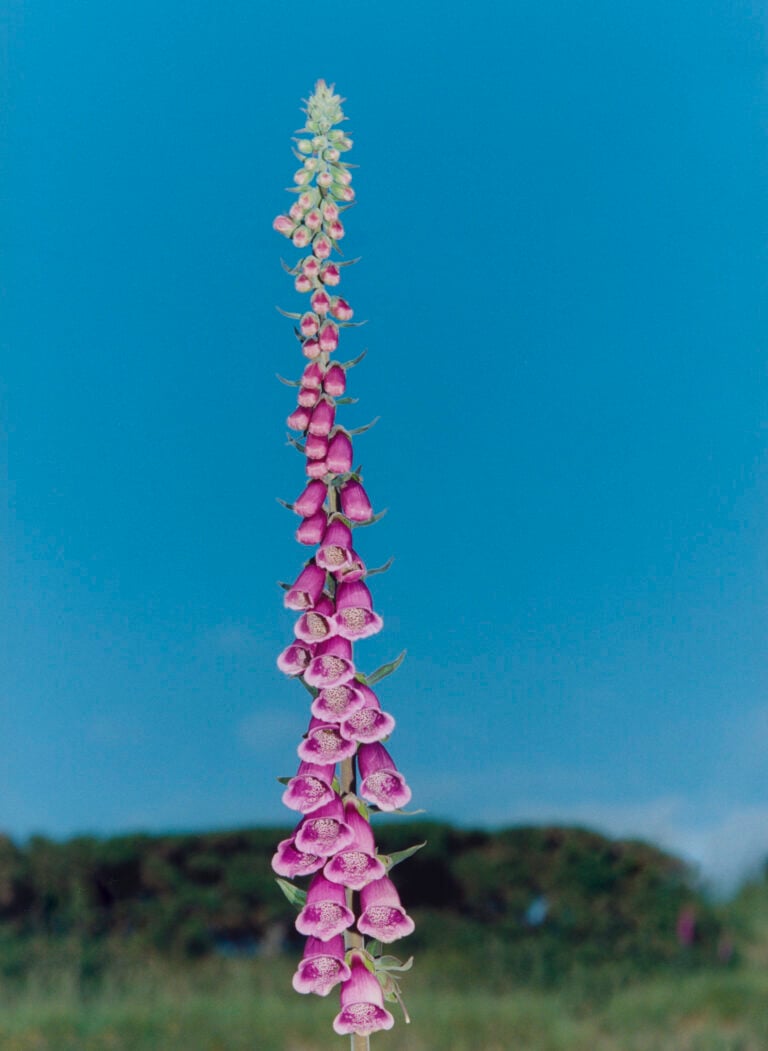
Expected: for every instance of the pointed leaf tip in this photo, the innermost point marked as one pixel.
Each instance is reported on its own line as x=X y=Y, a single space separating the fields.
x=295 y=895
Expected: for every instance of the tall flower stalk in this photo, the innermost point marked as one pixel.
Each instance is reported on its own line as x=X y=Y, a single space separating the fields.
x=350 y=907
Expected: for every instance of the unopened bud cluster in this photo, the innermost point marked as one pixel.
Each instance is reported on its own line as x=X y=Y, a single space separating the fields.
x=350 y=895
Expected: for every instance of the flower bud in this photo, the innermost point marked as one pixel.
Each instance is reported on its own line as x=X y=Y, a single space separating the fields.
x=313 y=219
x=336 y=230
x=308 y=396
x=304 y=146
x=312 y=376
x=312 y=529
x=328 y=337
x=330 y=274
x=335 y=381
x=310 y=348
x=322 y=420
x=320 y=302
x=355 y=503
x=311 y=164
x=318 y=143
x=302 y=177
x=322 y=247
x=308 y=198
x=324 y=179
x=316 y=469
x=284 y=225
x=303 y=283
x=310 y=500
x=309 y=325
x=339 y=455
x=331 y=155
x=310 y=266
x=301 y=237
x=296 y=211
x=299 y=419
x=330 y=210
x=316 y=447
x=341 y=175
x=341 y=309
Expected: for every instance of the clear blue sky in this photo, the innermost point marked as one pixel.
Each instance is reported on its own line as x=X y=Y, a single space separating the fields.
x=562 y=217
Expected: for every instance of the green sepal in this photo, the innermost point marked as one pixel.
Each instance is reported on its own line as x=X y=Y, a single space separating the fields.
x=381 y=569
x=288 y=313
x=288 y=383
x=373 y=947
x=284 y=780
x=354 y=361
x=385 y=670
x=401 y=855
x=296 y=444
x=371 y=521
x=391 y=963
x=284 y=503
x=295 y=895
x=343 y=401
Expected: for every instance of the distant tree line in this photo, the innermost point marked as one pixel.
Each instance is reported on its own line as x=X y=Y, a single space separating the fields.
x=545 y=896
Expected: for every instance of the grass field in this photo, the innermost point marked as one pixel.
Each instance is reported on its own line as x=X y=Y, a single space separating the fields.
x=248 y=1006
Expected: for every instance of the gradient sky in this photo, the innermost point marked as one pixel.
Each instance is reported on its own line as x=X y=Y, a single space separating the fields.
x=562 y=216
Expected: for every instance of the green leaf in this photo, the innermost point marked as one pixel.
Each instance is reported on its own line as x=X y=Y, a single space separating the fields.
x=401 y=855
x=347 y=401
x=288 y=313
x=284 y=780
x=288 y=383
x=295 y=895
x=385 y=670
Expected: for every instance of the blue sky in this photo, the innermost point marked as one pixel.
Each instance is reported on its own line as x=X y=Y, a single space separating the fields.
x=562 y=220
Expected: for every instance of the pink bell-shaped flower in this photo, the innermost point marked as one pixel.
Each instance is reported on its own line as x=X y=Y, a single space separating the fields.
x=311 y=787
x=369 y=723
x=381 y=914
x=325 y=914
x=381 y=782
x=290 y=862
x=331 y=664
x=307 y=589
x=322 y=966
x=335 y=381
x=337 y=702
x=324 y=744
x=312 y=529
x=354 y=617
x=324 y=831
x=362 y=1003
x=295 y=659
x=357 y=865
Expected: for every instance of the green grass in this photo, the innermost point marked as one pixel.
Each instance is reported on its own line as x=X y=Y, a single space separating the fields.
x=147 y=1005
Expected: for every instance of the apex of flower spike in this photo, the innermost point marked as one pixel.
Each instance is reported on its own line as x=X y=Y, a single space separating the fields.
x=323 y=109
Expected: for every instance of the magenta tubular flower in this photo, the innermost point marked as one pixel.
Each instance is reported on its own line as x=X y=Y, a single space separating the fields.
x=308 y=397
x=324 y=744
x=299 y=418
x=309 y=324
x=355 y=503
x=324 y=831
x=322 y=966
x=338 y=456
x=355 y=618
x=312 y=376
x=337 y=702
x=310 y=500
x=312 y=529
x=310 y=348
x=358 y=864
x=316 y=468
x=335 y=381
x=326 y=913
x=323 y=416
x=381 y=782
x=382 y=916
x=316 y=446
x=335 y=552
x=331 y=664
x=291 y=862
x=369 y=724
x=310 y=788
x=307 y=589
x=328 y=337
x=295 y=659
x=362 y=1003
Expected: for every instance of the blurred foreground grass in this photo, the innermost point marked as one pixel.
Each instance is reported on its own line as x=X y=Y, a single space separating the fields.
x=248 y=1005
